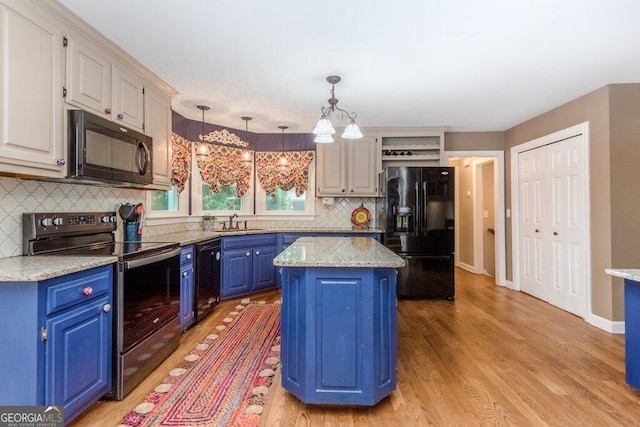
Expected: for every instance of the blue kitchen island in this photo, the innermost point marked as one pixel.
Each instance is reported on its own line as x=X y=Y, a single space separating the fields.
x=631 y=323
x=339 y=320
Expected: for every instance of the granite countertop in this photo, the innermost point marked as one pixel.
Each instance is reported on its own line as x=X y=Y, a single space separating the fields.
x=625 y=273
x=42 y=267
x=338 y=252
x=35 y=268
x=190 y=237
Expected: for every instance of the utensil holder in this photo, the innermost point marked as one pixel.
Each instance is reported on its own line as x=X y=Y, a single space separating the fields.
x=131 y=232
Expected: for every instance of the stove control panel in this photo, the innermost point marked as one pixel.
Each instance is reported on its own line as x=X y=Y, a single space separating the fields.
x=41 y=225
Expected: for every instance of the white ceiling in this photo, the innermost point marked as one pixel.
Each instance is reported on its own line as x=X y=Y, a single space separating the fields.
x=465 y=64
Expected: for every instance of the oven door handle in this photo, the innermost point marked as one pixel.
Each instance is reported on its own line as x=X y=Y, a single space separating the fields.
x=128 y=265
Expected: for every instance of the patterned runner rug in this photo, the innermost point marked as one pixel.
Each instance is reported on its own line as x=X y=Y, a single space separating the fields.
x=225 y=379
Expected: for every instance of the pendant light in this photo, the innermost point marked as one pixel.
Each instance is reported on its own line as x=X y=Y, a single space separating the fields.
x=283 y=158
x=202 y=149
x=324 y=129
x=246 y=156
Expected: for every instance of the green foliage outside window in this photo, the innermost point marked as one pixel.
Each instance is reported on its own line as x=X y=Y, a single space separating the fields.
x=225 y=200
x=285 y=201
x=165 y=200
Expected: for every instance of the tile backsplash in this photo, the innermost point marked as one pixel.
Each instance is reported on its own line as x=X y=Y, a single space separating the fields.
x=18 y=196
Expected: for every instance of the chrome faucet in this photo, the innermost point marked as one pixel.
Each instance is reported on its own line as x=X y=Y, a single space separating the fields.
x=231 y=220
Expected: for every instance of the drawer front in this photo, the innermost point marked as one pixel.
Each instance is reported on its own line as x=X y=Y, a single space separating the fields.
x=66 y=291
x=186 y=257
x=236 y=242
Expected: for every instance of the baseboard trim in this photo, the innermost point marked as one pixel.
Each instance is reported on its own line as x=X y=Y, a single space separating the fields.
x=613 y=327
x=469 y=268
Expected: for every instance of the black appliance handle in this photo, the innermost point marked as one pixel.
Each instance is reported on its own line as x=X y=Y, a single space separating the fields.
x=142 y=158
x=128 y=265
x=424 y=201
x=416 y=216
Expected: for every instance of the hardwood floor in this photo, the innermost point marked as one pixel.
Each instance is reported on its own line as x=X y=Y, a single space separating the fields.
x=492 y=357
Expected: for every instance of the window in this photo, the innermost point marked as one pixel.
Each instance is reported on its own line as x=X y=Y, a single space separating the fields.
x=286 y=203
x=164 y=204
x=224 y=202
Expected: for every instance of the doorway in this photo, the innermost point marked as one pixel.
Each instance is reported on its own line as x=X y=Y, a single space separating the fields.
x=480 y=222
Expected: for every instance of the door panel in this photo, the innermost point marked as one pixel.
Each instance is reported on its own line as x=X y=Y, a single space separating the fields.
x=531 y=181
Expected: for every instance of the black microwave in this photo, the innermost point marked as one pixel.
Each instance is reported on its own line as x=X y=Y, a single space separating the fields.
x=104 y=151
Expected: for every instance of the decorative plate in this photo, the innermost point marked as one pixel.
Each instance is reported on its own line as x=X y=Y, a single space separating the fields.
x=360 y=216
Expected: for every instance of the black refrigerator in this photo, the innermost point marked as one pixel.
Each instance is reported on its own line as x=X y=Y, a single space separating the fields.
x=419 y=207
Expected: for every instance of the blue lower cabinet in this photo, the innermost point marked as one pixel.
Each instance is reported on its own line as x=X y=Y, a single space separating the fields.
x=339 y=334
x=247 y=264
x=57 y=347
x=187 y=290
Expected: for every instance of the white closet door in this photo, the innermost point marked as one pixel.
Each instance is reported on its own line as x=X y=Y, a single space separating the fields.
x=567 y=225
x=552 y=224
x=532 y=182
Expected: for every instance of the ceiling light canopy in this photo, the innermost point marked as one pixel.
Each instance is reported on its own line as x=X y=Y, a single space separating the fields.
x=324 y=129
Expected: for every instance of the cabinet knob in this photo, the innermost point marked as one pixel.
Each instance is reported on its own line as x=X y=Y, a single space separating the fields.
x=60 y=162
x=257 y=252
x=87 y=291
x=106 y=308
x=537 y=231
x=120 y=116
x=107 y=110
x=248 y=254
x=188 y=256
x=555 y=233
x=343 y=190
x=185 y=274
x=351 y=190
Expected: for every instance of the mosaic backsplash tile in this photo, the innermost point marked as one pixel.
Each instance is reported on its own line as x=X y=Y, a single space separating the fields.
x=18 y=196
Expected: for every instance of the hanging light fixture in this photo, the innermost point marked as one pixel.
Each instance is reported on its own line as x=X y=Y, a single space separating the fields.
x=324 y=129
x=246 y=156
x=283 y=158
x=202 y=149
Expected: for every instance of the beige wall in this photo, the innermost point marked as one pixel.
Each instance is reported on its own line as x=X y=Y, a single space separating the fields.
x=472 y=141
x=594 y=108
x=488 y=206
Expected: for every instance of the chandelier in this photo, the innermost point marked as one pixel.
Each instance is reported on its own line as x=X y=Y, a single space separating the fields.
x=324 y=130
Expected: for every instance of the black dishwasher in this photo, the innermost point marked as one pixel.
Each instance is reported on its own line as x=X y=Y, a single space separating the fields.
x=207 y=283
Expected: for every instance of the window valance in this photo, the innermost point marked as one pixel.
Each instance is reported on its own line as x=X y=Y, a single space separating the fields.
x=225 y=166
x=180 y=161
x=296 y=174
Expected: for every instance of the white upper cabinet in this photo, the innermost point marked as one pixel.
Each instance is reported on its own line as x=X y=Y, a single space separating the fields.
x=31 y=108
x=128 y=97
x=88 y=76
x=158 y=126
x=52 y=61
x=97 y=83
x=348 y=168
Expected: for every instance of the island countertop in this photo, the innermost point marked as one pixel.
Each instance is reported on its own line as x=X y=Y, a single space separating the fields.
x=338 y=252
x=625 y=273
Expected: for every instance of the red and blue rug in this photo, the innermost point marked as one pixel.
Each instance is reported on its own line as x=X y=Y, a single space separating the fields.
x=224 y=380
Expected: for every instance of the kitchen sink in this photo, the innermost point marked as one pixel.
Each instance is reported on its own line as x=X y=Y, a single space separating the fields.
x=238 y=230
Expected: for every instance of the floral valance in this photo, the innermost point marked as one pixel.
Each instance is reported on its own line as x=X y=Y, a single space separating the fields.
x=180 y=161
x=296 y=174
x=225 y=166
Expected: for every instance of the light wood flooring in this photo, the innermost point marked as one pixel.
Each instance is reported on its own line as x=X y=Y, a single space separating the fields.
x=491 y=357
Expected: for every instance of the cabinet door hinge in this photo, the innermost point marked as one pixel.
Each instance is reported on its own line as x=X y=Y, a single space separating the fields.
x=43 y=334
x=65 y=41
x=64 y=92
